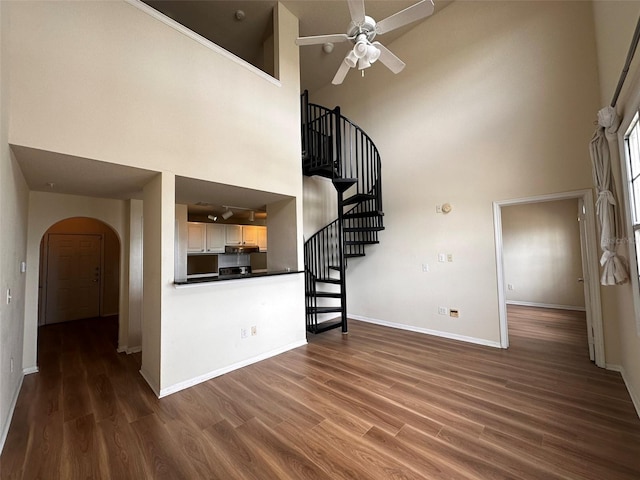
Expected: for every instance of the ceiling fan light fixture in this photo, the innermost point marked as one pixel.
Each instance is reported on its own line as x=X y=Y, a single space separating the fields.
x=351 y=59
x=360 y=49
x=363 y=63
x=373 y=53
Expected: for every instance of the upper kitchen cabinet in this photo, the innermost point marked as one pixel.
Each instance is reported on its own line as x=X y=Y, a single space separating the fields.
x=196 y=235
x=262 y=238
x=215 y=238
x=233 y=234
x=249 y=235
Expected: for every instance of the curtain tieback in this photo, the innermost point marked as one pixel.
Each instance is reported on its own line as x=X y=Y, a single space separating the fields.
x=606 y=256
x=605 y=196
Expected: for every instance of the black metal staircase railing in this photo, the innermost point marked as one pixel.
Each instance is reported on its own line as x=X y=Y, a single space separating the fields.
x=335 y=148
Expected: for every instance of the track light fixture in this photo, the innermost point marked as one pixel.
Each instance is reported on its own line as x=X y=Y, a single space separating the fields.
x=227 y=214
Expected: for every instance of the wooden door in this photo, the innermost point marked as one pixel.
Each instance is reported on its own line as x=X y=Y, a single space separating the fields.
x=73 y=277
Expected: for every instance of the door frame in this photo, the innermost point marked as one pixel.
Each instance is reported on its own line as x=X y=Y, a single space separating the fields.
x=593 y=305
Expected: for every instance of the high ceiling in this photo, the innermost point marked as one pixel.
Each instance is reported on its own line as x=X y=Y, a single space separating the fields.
x=216 y=20
x=52 y=172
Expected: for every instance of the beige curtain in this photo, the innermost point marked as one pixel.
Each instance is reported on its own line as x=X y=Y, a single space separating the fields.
x=614 y=270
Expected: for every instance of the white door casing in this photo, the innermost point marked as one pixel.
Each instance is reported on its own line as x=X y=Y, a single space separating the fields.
x=589 y=252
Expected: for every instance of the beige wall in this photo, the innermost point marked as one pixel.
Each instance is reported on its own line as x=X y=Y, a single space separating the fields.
x=13 y=242
x=135 y=91
x=497 y=102
x=615 y=22
x=542 y=260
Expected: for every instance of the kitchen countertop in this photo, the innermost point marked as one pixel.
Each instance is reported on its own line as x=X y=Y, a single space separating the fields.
x=222 y=278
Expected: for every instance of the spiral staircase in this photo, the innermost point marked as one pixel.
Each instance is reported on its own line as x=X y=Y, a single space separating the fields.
x=335 y=148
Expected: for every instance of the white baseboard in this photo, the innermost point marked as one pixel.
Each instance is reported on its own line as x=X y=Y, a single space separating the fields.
x=545 y=305
x=635 y=399
x=427 y=331
x=129 y=350
x=10 y=412
x=30 y=370
x=221 y=371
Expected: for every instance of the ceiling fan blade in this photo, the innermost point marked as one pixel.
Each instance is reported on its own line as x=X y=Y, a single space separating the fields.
x=422 y=9
x=341 y=73
x=388 y=59
x=356 y=8
x=334 y=38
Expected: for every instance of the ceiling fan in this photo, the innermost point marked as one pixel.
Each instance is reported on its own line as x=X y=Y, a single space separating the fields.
x=362 y=30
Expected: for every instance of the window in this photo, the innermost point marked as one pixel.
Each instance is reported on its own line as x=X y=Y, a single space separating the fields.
x=632 y=148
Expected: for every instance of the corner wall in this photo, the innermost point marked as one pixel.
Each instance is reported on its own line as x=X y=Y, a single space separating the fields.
x=496 y=103
x=13 y=249
x=615 y=23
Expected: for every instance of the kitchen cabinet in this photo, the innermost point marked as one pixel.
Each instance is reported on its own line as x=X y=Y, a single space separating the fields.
x=233 y=234
x=215 y=238
x=205 y=237
x=196 y=234
x=249 y=235
x=262 y=238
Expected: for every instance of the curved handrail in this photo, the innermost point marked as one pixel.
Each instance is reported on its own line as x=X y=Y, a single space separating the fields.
x=337 y=148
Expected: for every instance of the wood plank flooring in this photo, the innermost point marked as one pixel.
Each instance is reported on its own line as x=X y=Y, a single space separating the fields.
x=376 y=404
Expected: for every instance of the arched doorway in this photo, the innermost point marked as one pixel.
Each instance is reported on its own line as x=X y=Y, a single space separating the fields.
x=79 y=271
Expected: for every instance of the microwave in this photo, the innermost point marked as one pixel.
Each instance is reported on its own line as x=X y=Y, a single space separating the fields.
x=199 y=266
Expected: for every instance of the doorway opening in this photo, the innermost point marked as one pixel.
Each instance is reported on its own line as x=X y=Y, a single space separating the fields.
x=79 y=271
x=588 y=259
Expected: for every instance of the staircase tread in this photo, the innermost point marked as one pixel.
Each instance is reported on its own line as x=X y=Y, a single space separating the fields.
x=363 y=229
x=324 y=294
x=357 y=198
x=361 y=242
x=353 y=255
x=324 y=326
x=372 y=213
x=328 y=280
x=324 y=309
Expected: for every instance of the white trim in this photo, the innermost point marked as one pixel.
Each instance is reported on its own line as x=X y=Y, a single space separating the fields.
x=546 y=305
x=10 y=412
x=30 y=370
x=595 y=307
x=632 y=250
x=129 y=350
x=229 y=368
x=614 y=368
x=201 y=40
x=427 y=331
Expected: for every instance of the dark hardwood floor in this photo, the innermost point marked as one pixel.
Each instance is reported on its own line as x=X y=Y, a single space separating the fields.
x=376 y=404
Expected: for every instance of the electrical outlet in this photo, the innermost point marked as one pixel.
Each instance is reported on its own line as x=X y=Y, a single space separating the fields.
x=425 y=267
x=509 y=286
x=243 y=333
x=449 y=257
x=254 y=331
x=453 y=312
x=442 y=310
x=442 y=257
x=438 y=208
